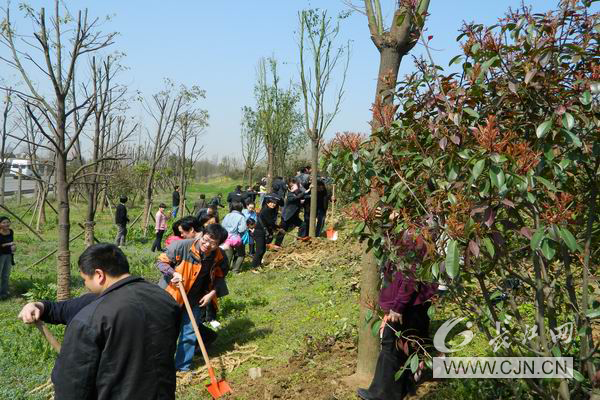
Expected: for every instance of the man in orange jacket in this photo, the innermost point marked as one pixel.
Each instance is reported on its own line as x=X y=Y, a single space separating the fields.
x=197 y=264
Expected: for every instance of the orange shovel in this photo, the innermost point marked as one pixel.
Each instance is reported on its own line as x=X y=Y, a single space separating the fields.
x=332 y=234
x=215 y=388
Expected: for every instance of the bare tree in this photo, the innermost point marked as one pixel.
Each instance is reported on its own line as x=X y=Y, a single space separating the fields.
x=252 y=142
x=8 y=104
x=320 y=59
x=108 y=135
x=48 y=53
x=165 y=108
x=191 y=125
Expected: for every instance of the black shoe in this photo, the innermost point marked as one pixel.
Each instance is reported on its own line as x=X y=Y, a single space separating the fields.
x=364 y=394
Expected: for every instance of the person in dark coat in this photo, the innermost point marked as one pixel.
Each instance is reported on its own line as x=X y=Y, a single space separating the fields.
x=236 y=196
x=210 y=211
x=323 y=199
x=176 y=199
x=290 y=216
x=250 y=195
x=216 y=201
x=266 y=225
x=405 y=302
x=279 y=187
x=200 y=204
x=120 y=338
x=121 y=220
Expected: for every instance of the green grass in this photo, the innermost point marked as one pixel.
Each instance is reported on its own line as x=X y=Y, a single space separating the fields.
x=277 y=310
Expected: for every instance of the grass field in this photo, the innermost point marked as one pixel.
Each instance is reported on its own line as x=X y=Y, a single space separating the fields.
x=282 y=312
x=301 y=321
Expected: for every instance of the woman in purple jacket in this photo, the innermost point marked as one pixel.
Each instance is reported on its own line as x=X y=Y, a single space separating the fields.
x=405 y=302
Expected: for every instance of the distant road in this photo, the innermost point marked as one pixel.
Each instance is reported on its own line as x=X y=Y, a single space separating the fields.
x=12 y=185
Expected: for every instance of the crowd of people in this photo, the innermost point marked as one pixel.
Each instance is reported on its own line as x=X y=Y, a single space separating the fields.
x=127 y=337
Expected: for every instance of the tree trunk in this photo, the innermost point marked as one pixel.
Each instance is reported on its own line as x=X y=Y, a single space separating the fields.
x=41 y=218
x=20 y=188
x=368 y=345
x=389 y=64
x=63 y=254
x=313 y=192
x=147 y=204
x=269 y=168
x=2 y=185
x=91 y=214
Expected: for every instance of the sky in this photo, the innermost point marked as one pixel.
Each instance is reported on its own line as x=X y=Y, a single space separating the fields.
x=217 y=44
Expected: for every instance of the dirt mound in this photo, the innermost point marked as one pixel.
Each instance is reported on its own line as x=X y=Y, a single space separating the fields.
x=314 y=374
x=315 y=252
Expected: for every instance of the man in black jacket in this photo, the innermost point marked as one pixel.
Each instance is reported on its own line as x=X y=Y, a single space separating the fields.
x=121 y=220
x=120 y=338
x=290 y=215
x=236 y=195
x=176 y=199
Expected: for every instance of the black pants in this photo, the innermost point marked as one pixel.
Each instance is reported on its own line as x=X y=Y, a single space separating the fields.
x=320 y=221
x=415 y=322
x=260 y=244
x=288 y=225
x=157 y=245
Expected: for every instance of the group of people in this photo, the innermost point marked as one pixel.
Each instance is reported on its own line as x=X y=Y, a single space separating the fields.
x=128 y=337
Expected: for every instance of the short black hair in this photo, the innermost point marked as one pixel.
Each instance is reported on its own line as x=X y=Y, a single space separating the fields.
x=217 y=232
x=202 y=196
x=188 y=223
x=4 y=218
x=176 y=187
x=250 y=222
x=204 y=219
x=236 y=206
x=162 y=205
x=238 y=187
x=175 y=228
x=250 y=202
x=123 y=199
x=105 y=256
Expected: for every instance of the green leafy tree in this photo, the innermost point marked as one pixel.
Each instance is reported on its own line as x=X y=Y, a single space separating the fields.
x=497 y=169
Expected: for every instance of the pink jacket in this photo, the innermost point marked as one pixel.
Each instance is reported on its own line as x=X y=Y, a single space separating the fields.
x=160 y=223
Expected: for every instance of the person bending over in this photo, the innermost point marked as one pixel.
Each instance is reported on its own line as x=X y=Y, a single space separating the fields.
x=197 y=264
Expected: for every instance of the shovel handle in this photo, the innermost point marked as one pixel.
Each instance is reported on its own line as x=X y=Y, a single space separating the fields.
x=48 y=335
x=211 y=372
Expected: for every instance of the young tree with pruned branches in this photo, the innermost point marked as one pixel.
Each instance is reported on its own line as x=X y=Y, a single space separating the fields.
x=320 y=60
x=252 y=142
x=165 y=108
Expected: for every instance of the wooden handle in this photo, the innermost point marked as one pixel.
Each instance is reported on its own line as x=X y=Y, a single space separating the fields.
x=48 y=335
x=211 y=373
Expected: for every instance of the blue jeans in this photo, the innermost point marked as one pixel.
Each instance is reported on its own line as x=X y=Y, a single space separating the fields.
x=174 y=213
x=187 y=339
x=5 y=266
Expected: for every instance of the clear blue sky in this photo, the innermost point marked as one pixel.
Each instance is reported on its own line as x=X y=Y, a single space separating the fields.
x=216 y=45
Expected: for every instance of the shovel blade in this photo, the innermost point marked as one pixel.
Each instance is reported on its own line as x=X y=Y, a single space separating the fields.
x=218 y=389
x=332 y=234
